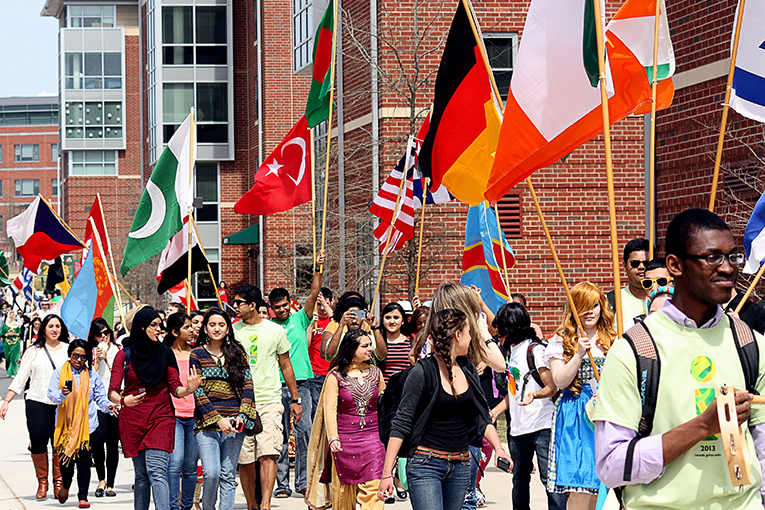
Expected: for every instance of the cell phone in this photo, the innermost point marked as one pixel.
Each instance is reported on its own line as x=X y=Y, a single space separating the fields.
x=503 y=464
x=360 y=314
x=141 y=391
x=234 y=425
x=68 y=384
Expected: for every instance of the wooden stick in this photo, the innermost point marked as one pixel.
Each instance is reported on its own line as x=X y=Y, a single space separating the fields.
x=563 y=281
x=505 y=277
x=757 y=399
x=209 y=269
x=96 y=244
x=752 y=285
x=609 y=169
x=652 y=165
x=126 y=292
x=329 y=129
x=111 y=256
x=313 y=195
x=425 y=185
x=724 y=122
x=61 y=220
x=191 y=186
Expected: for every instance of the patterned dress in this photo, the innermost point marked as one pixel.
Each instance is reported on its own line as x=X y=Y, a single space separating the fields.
x=571 y=465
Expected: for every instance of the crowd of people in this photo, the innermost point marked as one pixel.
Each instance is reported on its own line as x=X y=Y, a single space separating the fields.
x=407 y=404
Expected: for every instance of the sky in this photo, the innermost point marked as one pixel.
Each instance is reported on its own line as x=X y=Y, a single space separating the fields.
x=28 y=65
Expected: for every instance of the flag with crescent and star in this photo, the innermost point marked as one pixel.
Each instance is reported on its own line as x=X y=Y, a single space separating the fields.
x=283 y=181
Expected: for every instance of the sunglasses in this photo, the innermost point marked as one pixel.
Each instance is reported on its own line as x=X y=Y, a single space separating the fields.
x=81 y=357
x=239 y=302
x=102 y=333
x=661 y=281
x=635 y=263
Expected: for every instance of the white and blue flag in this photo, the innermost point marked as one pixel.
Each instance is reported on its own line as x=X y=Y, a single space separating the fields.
x=748 y=93
x=754 y=238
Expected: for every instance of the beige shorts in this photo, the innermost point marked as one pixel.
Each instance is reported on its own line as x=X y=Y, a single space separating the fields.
x=268 y=442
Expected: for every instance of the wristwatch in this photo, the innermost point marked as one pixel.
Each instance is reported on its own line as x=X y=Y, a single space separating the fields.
x=295 y=401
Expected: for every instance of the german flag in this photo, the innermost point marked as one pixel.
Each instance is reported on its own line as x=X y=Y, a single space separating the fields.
x=458 y=150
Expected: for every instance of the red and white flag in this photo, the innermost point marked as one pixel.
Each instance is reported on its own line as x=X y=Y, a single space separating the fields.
x=283 y=181
x=97 y=213
x=178 y=295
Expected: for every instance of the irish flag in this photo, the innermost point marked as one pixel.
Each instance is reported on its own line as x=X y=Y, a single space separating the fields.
x=552 y=106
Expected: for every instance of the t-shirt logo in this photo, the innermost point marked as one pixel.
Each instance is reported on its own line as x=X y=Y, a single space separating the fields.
x=703 y=370
x=253 y=350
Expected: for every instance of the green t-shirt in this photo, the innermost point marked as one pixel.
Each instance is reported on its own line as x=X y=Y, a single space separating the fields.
x=631 y=307
x=693 y=363
x=296 y=327
x=264 y=342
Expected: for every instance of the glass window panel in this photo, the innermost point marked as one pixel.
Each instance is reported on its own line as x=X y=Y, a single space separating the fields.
x=94 y=132
x=168 y=130
x=178 y=55
x=112 y=83
x=54 y=152
x=110 y=156
x=54 y=187
x=177 y=25
x=211 y=25
x=500 y=51
x=112 y=114
x=78 y=156
x=75 y=132
x=77 y=169
x=112 y=64
x=107 y=22
x=110 y=169
x=93 y=64
x=177 y=100
x=207 y=181
x=91 y=10
x=69 y=83
x=212 y=133
x=76 y=22
x=93 y=114
x=211 y=55
x=108 y=10
x=208 y=212
x=212 y=102
x=93 y=83
x=205 y=287
x=75 y=10
x=73 y=64
x=113 y=132
x=94 y=168
x=503 y=82
x=91 y=22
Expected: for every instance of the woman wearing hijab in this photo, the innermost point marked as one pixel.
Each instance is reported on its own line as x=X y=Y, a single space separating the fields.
x=147 y=420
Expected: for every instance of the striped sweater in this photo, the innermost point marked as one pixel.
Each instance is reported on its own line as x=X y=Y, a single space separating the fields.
x=216 y=398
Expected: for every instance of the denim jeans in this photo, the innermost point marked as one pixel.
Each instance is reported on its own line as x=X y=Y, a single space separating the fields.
x=436 y=484
x=471 y=497
x=315 y=385
x=183 y=464
x=219 y=453
x=522 y=450
x=151 y=476
x=302 y=432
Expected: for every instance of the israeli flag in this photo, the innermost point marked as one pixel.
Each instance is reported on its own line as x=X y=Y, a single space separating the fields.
x=754 y=238
x=748 y=93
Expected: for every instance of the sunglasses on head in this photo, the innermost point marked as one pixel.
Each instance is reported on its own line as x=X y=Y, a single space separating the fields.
x=635 y=263
x=661 y=281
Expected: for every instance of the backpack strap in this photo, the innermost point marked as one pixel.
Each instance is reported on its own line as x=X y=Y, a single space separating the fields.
x=748 y=352
x=648 y=370
x=533 y=370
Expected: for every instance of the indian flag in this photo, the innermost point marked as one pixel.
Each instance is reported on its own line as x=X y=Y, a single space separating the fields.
x=552 y=106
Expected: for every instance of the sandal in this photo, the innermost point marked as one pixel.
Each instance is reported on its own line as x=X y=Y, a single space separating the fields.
x=84 y=504
x=100 y=492
x=281 y=494
x=110 y=492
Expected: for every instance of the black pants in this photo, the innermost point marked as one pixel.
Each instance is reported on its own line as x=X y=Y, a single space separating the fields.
x=41 y=421
x=106 y=435
x=83 y=474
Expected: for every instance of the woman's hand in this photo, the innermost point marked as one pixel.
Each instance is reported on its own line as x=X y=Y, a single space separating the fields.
x=134 y=400
x=194 y=380
x=528 y=399
x=416 y=302
x=348 y=316
x=65 y=391
x=502 y=453
x=335 y=446
x=4 y=409
x=585 y=344
x=115 y=410
x=224 y=424
x=386 y=488
x=371 y=320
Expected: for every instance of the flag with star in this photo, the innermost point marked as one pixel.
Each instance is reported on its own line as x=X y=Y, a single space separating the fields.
x=283 y=181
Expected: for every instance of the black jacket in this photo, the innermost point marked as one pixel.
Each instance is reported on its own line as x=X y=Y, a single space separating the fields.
x=419 y=396
x=751 y=313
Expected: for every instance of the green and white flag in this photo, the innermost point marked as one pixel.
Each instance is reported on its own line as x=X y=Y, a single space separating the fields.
x=165 y=202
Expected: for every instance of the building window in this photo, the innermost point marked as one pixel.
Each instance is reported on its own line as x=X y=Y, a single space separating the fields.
x=302 y=36
x=53 y=186
x=54 y=152
x=501 y=50
x=1 y=153
x=510 y=215
x=93 y=71
x=26 y=153
x=93 y=119
x=207 y=189
x=90 y=16
x=1 y=188
x=27 y=187
x=93 y=163
x=303 y=268
x=212 y=109
x=205 y=290
x=194 y=36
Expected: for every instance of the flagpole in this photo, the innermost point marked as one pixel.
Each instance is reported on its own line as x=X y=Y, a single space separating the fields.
x=502 y=249
x=62 y=220
x=422 y=230
x=609 y=168
x=209 y=269
x=111 y=256
x=387 y=240
x=191 y=184
x=726 y=105
x=752 y=285
x=329 y=128
x=652 y=165
x=97 y=239
x=126 y=292
x=313 y=194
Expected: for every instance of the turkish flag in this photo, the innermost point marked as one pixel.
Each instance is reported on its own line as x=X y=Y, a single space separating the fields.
x=283 y=180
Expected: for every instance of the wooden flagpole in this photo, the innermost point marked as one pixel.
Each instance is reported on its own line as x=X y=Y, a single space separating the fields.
x=329 y=128
x=752 y=285
x=126 y=292
x=726 y=105
x=62 y=220
x=209 y=269
x=110 y=277
x=425 y=185
x=111 y=256
x=609 y=167
x=506 y=277
x=313 y=194
x=191 y=186
x=387 y=240
x=652 y=157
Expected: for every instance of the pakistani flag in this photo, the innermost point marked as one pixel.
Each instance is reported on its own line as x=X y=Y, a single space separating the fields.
x=164 y=203
x=317 y=106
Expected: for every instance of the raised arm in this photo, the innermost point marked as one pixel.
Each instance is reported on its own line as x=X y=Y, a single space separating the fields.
x=310 y=303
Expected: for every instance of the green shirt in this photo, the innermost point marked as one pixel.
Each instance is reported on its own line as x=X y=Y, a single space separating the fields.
x=631 y=307
x=694 y=362
x=296 y=327
x=264 y=342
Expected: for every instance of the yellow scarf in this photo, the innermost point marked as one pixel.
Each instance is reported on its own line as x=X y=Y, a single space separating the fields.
x=72 y=432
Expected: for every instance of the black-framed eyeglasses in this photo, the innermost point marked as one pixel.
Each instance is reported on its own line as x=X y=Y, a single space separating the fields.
x=238 y=302
x=82 y=357
x=717 y=259
x=636 y=263
x=661 y=281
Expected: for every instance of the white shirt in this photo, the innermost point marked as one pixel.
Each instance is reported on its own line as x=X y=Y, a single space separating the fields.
x=36 y=367
x=538 y=414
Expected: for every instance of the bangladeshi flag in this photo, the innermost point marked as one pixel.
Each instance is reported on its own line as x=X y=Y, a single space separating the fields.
x=317 y=107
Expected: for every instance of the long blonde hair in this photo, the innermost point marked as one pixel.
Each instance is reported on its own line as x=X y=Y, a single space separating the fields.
x=462 y=298
x=586 y=295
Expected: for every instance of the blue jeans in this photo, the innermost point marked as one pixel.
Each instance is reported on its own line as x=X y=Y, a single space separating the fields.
x=522 y=450
x=219 y=453
x=436 y=484
x=471 y=497
x=151 y=476
x=302 y=432
x=315 y=385
x=183 y=464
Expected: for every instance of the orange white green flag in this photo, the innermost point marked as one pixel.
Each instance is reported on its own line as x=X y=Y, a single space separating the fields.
x=553 y=105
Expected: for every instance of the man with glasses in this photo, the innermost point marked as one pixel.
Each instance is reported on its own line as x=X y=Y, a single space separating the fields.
x=681 y=463
x=634 y=296
x=268 y=348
